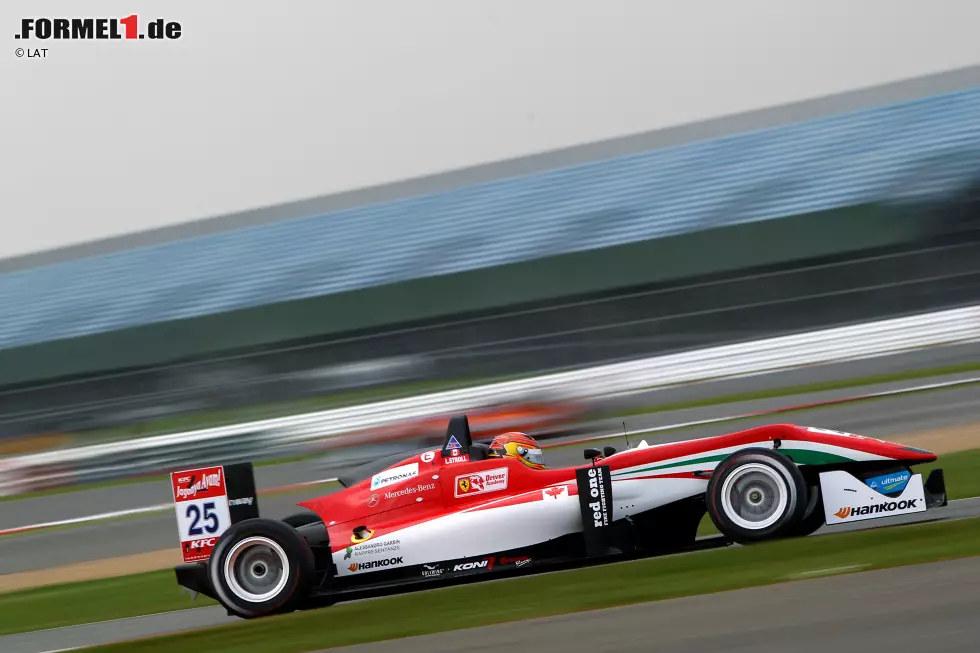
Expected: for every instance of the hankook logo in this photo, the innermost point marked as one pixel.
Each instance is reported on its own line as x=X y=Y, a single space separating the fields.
x=891 y=506
x=374 y=564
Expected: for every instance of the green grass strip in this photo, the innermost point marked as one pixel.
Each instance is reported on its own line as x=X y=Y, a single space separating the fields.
x=584 y=589
x=95 y=600
x=961 y=469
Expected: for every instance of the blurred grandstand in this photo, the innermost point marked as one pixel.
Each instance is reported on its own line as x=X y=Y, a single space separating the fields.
x=832 y=220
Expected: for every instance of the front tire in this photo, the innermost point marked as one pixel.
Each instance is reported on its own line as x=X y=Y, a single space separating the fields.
x=756 y=495
x=261 y=567
x=813 y=517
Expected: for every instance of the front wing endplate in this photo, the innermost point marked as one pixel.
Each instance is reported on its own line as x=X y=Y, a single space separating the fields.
x=847 y=499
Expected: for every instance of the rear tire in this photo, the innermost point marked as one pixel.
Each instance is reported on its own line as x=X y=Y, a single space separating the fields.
x=261 y=567
x=756 y=495
x=302 y=519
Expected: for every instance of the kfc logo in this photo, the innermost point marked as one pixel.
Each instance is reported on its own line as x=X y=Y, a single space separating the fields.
x=198 y=550
x=201 y=544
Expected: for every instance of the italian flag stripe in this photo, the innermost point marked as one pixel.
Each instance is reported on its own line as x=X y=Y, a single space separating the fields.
x=695 y=461
x=799 y=456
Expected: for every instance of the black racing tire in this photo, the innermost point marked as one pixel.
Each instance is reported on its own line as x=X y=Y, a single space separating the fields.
x=756 y=495
x=813 y=517
x=261 y=567
x=302 y=519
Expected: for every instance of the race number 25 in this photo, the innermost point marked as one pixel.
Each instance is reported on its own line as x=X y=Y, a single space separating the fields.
x=203 y=517
x=195 y=514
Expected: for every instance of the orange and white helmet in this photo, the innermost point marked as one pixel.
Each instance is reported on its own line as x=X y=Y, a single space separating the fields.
x=520 y=446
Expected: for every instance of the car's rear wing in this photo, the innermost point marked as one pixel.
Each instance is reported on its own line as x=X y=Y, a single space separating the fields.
x=208 y=501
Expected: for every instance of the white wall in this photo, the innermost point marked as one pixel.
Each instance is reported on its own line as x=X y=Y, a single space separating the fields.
x=264 y=102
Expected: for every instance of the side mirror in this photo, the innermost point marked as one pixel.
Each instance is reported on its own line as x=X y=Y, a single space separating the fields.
x=591 y=454
x=608 y=451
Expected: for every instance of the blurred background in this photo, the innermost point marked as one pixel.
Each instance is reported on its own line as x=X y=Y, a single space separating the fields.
x=816 y=215
x=304 y=234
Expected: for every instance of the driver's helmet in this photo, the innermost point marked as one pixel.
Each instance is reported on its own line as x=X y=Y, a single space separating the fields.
x=520 y=446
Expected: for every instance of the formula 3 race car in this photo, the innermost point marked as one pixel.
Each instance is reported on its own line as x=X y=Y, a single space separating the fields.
x=454 y=514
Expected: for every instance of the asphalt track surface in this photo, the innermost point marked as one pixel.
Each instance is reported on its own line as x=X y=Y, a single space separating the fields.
x=922 y=608
x=42 y=549
x=852 y=612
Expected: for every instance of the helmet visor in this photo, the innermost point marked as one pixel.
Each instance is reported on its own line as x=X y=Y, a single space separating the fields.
x=533 y=456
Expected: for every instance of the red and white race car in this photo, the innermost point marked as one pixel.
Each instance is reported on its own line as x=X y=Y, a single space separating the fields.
x=456 y=515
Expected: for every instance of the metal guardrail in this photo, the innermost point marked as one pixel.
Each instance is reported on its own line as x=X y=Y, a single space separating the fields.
x=531 y=340
x=282 y=436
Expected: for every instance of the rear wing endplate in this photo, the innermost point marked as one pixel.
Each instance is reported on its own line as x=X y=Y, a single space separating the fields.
x=207 y=501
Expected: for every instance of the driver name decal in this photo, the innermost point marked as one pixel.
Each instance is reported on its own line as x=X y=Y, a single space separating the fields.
x=492 y=480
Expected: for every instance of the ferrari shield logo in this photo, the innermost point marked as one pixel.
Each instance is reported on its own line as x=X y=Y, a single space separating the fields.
x=492 y=480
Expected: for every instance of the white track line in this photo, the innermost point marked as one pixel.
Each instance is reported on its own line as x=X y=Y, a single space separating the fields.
x=714 y=420
x=90 y=518
x=137 y=511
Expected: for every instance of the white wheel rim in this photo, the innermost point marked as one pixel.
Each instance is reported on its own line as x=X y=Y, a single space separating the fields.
x=256 y=569
x=754 y=496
